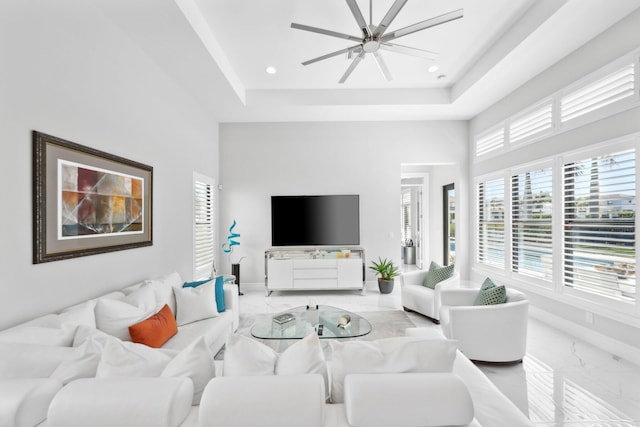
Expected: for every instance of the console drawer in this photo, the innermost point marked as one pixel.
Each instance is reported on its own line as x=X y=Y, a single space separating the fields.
x=315 y=283
x=315 y=263
x=314 y=273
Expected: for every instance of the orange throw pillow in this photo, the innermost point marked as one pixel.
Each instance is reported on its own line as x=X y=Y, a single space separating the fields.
x=156 y=330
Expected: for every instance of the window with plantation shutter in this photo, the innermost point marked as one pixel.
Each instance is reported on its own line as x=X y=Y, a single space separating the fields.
x=612 y=88
x=490 y=141
x=406 y=214
x=609 y=90
x=203 y=226
x=490 y=244
x=532 y=124
x=599 y=225
x=531 y=231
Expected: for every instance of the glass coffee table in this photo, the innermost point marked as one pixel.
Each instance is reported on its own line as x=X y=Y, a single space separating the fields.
x=299 y=322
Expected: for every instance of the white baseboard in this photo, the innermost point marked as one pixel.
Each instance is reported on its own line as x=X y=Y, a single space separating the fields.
x=615 y=347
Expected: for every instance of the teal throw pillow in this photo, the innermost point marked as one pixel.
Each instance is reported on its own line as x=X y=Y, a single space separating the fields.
x=220 y=294
x=487 y=284
x=437 y=274
x=490 y=294
x=195 y=284
x=219 y=291
x=495 y=295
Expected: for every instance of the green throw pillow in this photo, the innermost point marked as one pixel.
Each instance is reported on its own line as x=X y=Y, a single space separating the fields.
x=490 y=294
x=437 y=274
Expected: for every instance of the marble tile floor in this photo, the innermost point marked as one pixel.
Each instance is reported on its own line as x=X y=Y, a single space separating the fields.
x=562 y=382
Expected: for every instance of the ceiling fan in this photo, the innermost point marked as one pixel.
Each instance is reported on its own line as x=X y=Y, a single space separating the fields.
x=374 y=38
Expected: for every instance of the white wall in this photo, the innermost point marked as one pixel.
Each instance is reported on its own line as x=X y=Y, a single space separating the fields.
x=68 y=71
x=265 y=159
x=615 y=42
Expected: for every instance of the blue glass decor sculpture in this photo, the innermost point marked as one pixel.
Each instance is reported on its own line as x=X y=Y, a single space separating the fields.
x=227 y=247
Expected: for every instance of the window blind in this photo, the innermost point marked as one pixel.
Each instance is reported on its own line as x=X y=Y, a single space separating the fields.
x=599 y=235
x=490 y=141
x=406 y=214
x=203 y=229
x=490 y=244
x=533 y=123
x=607 y=90
x=531 y=214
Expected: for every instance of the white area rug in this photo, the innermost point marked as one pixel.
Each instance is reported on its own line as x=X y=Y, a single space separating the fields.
x=384 y=324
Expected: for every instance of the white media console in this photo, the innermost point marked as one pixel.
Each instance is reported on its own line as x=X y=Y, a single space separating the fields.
x=314 y=268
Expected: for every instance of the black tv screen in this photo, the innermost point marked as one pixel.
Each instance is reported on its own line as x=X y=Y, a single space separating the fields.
x=332 y=220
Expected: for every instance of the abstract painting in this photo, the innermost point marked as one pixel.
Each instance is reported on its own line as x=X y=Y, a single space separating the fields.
x=87 y=201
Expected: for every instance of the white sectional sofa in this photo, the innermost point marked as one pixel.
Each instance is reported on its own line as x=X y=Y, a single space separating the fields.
x=374 y=384
x=47 y=359
x=402 y=397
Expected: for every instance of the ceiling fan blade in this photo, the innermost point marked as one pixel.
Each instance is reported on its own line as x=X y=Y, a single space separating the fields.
x=420 y=53
x=442 y=19
x=325 y=32
x=359 y=18
x=330 y=55
x=352 y=67
x=389 y=17
x=382 y=65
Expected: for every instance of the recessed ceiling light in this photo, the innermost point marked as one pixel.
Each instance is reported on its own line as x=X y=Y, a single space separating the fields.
x=433 y=69
x=271 y=69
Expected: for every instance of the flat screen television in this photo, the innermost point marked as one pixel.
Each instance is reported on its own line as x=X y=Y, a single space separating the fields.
x=330 y=220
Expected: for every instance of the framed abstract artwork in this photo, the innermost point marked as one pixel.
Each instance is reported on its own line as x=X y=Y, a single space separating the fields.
x=87 y=202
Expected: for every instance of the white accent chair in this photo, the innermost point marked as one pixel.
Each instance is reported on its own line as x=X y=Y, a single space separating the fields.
x=421 y=299
x=486 y=333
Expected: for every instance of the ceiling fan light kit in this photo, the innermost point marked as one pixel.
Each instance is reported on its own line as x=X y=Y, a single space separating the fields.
x=376 y=38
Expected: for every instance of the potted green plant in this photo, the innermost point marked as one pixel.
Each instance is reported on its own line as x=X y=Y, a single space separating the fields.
x=387 y=271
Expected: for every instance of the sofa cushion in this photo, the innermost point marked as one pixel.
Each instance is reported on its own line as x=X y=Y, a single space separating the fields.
x=114 y=316
x=83 y=363
x=195 y=362
x=303 y=357
x=245 y=356
x=84 y=333
x=162 y=287
x=24 y=402
x=219 y=290
x=389 y=355
x=40 y=335
x=407 y=400
x=156 y=330
x=215 y=330
x=193 y=304
x=20 y=360
x=272 y=401
x=79 y=314
x=139 y=402
x=437 y=274
x=127 y=359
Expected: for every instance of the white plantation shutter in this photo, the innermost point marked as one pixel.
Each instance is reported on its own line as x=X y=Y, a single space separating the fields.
x=490 y=244
x=531 y=211
x=607 y=90
x=490 y=141
x=203 y=226
x=532 y=124
x=599 y=236
x=406 y=214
